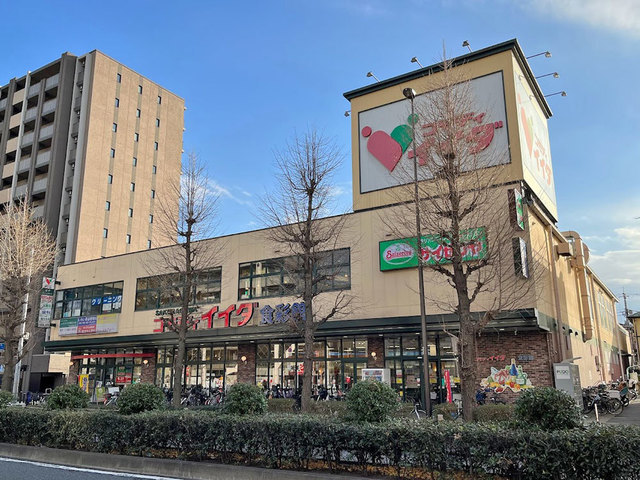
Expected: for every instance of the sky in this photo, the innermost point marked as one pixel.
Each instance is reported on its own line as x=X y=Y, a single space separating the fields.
x=254 y=73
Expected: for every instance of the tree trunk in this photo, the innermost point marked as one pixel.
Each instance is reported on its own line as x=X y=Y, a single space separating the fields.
x=9 y=365
x=178 y=363
x=467 y=365
x=308 y=368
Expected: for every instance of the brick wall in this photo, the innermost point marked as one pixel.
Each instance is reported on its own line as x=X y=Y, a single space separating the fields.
x=148 y=374
x=512 y=346
x=247 y=369
x=375 y=345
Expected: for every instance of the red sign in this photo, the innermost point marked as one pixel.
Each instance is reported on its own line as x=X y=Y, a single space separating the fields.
x=244 y=311
x=447 y=384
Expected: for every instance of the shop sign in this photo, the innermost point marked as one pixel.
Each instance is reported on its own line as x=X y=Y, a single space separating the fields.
x=45 y=313
x=516 y=208
x=447 y=384
x=91 y=325
x=83 y=382
x=282 y=313
x=435 y=250
x=230 y=317
x=525 y=358
x=1 y=347
x=123 y=374
x=386 y=134
x=511 y=377
x=520 y=258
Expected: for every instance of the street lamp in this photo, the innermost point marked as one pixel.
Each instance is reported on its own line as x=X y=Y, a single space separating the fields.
x=546 y=54
x=410 y=93
x=555 y=75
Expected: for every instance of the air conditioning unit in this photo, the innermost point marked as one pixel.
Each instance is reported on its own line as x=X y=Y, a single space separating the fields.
x=564 y=249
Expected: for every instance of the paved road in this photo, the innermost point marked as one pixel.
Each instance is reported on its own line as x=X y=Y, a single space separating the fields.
x=629 y=416
x=20 y=470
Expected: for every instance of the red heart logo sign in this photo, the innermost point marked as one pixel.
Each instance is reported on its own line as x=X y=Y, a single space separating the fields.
x=385 y=149
x=527 y=127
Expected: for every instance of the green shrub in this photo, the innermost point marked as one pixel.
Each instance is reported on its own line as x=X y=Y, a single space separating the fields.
x=493 y=413
x=371 y=401
x=447 y=410
x=67 y=396
x=547 y=408
x=140 y=397
x=245 y=399
x=302 y=441
x=6 y=398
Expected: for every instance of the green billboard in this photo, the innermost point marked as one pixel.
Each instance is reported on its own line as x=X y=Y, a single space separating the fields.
x=397 y=254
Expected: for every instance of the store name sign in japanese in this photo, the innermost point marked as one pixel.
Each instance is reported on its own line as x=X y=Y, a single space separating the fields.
x=236 y=316
x=385 y=134
x=435 y=250
x=91 y=325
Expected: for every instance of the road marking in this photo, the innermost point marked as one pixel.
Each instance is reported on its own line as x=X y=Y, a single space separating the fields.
x=87 y=470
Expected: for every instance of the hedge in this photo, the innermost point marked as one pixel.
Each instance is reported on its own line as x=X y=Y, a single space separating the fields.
x=402 y=448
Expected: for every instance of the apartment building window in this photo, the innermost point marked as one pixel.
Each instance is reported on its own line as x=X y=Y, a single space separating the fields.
x=150 y=218
x=117 y=102
x=109 y=179
x=282 y=276
x=159 y=99
x=137 y=113
x=148 y=244
x=113 y=153
x=136 y=137
x=153 y=194
x=139 y=88
x=155 y=145
x=135 y=162
x=114 y=128
x=133 y=187
x=90 y=300
x=128 y=239
x=107 y=205
x=157 y=122
x=130 y=214
x=119 y=78
x=163 y=291
x=105 y=233
x=154 y=169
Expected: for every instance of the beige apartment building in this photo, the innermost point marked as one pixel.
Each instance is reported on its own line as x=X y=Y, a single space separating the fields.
x=93 y=145
x=108 y=312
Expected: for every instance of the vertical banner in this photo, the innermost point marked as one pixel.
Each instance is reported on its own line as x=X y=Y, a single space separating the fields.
x=46 y=302
x=516 y=208
x=447 y=384
x=520 y=258
x=83 y=382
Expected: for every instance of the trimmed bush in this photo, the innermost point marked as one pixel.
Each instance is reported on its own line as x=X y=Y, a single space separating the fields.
x=402 y=448
x=67 y=396
x=371 y=401
x=140 y=397
x=493 y=413
x=447 y=410
x=547 y=408
x=6 y=398
x=245 y=399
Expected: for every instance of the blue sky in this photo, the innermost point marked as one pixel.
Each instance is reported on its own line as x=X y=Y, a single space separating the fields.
x=252 y=73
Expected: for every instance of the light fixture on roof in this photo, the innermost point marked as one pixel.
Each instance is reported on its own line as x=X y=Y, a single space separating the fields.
x=347 y=113
x=555 y=75
x=415 y=60
x=562 y=93
x=370 y=74
x=466 y=44
x=546 y=54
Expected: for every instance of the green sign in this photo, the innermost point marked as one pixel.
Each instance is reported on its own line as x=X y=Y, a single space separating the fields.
x=397 y=254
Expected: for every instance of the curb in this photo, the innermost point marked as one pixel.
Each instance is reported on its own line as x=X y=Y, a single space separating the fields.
x=155 y=466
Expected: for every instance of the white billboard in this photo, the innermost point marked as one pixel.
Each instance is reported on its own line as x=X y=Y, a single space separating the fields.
x=385 y=134
x=534 y=145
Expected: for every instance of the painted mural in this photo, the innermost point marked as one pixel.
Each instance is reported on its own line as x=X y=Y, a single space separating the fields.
x=510 y=377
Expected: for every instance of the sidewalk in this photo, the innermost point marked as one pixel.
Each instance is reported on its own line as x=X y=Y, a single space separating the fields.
x=156 y=466
x=629 y=416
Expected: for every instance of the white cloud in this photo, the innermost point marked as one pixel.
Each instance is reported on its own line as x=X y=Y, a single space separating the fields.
x=223 y=192
x=620 y=15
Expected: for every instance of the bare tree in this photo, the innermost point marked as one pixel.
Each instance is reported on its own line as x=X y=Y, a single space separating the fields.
x=27 y=252
x=463 y=211
x=185 y=214
x=298 y=210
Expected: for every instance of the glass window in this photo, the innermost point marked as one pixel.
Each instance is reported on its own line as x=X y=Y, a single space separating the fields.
x=333 y=348
x=112 y=153
x=348 y=348
x=262 y=351
x=117 y=102
x=410 y=346
x=206 y=290
x=137 y=113
x=139 y=88
x=391 y=347
x=118 y=78
x=361 y=348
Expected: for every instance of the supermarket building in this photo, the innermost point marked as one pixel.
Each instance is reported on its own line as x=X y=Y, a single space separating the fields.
x=108 y=311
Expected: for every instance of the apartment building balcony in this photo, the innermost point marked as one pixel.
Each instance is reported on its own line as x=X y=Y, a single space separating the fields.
x=33 y=90
x=12 y=145
x=38 y=212
x=39 y=185
x=5 y=195
x=45 y=132
x=30 y=114
x=18 y=96
x=43 y=158
x=8 y=170
x=21 y=190
x=52 y=81
x=49 y=106
x=27 y=139
x=24 y=165
x=14 y=121
x=3 y=104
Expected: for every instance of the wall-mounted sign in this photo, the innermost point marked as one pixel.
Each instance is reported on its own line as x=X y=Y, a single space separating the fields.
x=397 y=254
x=534 y=144
x=1 y=347
x=45 y=313
x=282 y=313
x=91 y=325
x=386 y=134
x=213 y=318
x=510 y=377
x=520 y=258
x=516 y=208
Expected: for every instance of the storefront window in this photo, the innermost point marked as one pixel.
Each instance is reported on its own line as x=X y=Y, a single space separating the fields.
x=164 y=291
x=87 y=301
x=392 y=347
x=410 y=346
